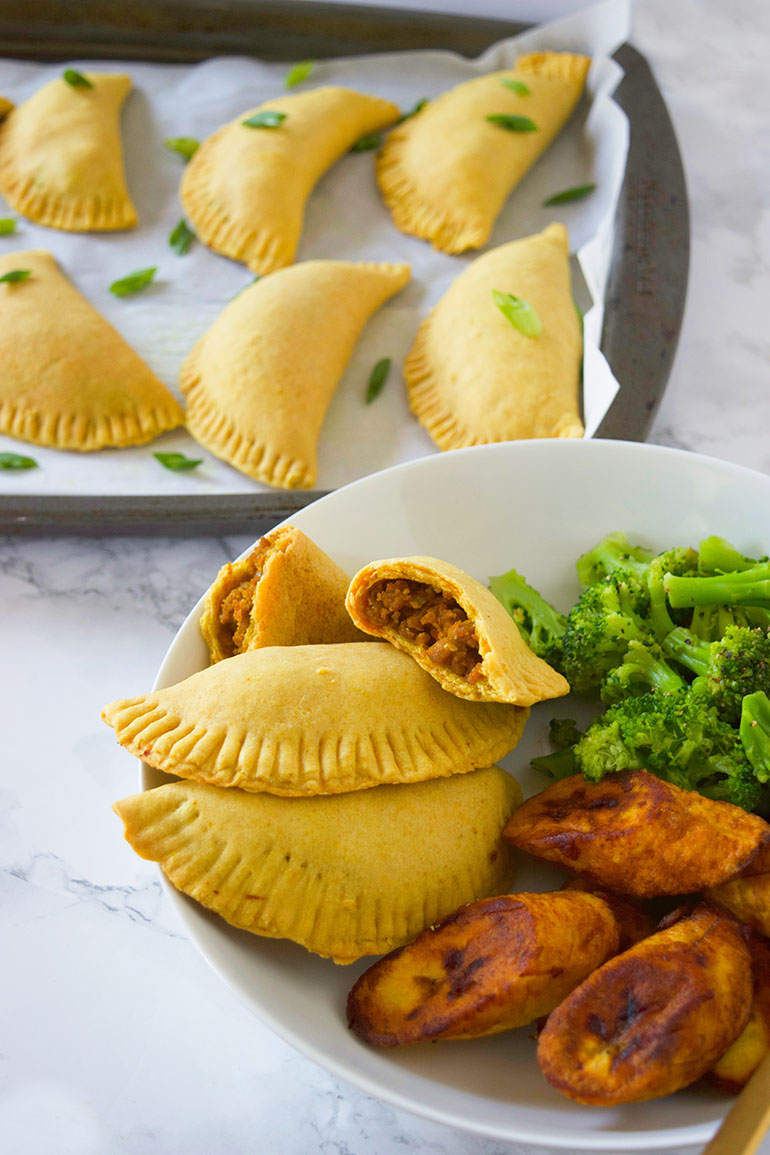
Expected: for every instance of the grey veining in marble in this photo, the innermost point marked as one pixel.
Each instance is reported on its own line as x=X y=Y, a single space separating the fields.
x=708 y=60
x=116 y=1038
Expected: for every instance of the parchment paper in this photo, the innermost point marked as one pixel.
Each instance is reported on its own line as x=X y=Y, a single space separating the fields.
x=346 y=219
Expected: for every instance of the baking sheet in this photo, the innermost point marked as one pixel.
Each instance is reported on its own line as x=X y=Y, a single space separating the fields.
x=345 y=219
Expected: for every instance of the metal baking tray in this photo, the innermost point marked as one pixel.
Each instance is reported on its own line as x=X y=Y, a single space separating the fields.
x=648 y=279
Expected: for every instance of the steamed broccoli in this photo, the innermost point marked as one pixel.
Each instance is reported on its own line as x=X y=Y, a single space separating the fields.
x=747 y=587
x=642 y=567
x=677 y=736
x=678 y=645
x=755 y=733
x=564 y=733
x=561 y=763
x=643 y=668
x=681 y=561
x=541 y=626
x=710 y=622
x=606 y=617
x=718 y=556
x=612 y=553
x=729 y=668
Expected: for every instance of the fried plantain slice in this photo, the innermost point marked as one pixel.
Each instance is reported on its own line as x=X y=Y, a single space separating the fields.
x=636 y=834
x=747 y=896
x=653 y=1019
x=739 y=1062
x=634 y=921
x=492 y=965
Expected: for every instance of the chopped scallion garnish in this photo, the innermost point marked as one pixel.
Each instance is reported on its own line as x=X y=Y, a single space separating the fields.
x=519 y=312
x=133 y=282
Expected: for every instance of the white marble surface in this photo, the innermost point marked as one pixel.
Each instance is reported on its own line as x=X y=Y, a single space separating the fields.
x=115 y=1035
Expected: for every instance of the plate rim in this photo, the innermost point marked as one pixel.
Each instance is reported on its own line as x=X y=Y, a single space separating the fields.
x=559 y=1138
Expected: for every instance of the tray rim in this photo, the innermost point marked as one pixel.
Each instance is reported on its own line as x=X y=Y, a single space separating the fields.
x=645 y=295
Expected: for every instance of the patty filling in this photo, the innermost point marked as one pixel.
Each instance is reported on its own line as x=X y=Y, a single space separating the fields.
x=235 y=609
x=431 y=620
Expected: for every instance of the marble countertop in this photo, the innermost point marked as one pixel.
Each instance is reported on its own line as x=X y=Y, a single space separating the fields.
x=116 y=1036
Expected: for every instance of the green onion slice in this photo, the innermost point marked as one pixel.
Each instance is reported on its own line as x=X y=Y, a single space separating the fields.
x=16 y=461
x=7 y=226
x=133 y=282
x=571 y=194
x=519 y=312
x=267 y=119
x=367 y=143
x=181 y=237
x=185 y=146
x=512 y=123
x=14 y=276
x=418 y=107
x=377 y=379
x=299 y=73
x=177 y=461
x=517 y=86
x=76 y=79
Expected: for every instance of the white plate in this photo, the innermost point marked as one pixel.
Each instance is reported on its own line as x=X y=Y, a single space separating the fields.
x=535 y=506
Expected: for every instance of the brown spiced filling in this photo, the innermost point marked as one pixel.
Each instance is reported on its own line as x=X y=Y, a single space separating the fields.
x=236 y=607
x=432 y=620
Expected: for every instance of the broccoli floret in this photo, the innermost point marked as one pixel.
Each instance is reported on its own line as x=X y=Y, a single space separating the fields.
x=710 y=622
x=688 y=650
x=643 y=668
x=718 y=556
x=603 y=748
x=647 y=624
x=729 y=668
x=755 y=733
x=541 y=626
x=677 y=736
x=680 y=561
x=561 y=763
x=748 y=587
x=564 y=733
x=753 y=616
x=605 y=618
x=612 y=553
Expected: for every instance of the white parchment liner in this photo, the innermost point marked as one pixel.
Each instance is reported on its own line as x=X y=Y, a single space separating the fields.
x=346 y=219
